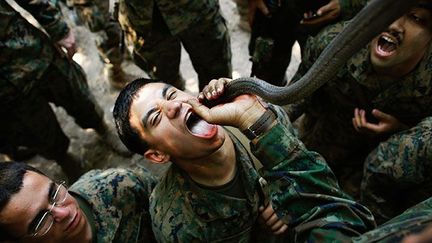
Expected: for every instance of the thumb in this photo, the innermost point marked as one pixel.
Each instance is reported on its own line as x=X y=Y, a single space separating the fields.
x=199 y=108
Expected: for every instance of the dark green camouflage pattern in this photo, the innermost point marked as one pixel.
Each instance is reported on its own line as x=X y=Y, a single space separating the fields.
x=34 y=72
x=399 y=170
x=272 y=38
x=26 y=52
x=356 y=85
x=411 y=221
x=156 y=30
x=178 y=15
x=184 y=212
x=119 y=200
x=302 y=188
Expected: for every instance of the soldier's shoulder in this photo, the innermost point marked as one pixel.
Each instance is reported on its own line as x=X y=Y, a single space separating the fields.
x=117 y=184
x=320 y=41
x=169 y=189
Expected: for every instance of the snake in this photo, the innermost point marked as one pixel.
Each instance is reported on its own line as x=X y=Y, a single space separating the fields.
x=368 y=23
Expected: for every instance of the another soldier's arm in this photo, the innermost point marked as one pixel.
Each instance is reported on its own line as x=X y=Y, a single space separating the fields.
x=48 y=15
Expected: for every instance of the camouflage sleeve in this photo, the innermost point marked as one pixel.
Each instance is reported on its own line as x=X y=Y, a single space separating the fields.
x=48 y=15
x=304 y=192
x=413 y=220
x=349 y=8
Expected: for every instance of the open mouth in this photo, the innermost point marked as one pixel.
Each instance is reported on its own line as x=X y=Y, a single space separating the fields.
x=198 y=127
x=386 y=45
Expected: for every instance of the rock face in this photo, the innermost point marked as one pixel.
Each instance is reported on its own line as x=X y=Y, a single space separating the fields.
x=85 y=143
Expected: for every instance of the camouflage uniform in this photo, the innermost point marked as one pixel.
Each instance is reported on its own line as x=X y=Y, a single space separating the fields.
x=32 y=73
x=272 y=37
x=402 y=160
x=95 y=13
x=302 y=189
x=357 y=85
x=411 y=221
x=118 y=199
x=156 y=29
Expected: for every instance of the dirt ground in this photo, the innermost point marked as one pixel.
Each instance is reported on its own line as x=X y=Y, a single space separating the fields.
x=85 y=143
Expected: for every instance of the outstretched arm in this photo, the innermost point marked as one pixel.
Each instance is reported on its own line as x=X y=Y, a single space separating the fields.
x=303 y=190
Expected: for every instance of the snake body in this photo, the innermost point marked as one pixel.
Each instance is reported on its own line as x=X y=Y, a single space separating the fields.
x=368 y=23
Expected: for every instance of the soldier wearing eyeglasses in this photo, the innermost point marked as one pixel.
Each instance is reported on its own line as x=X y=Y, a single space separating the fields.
x=102 y=206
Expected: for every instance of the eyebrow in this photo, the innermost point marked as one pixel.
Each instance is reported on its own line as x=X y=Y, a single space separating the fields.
x=41 y=212
x=147 y=115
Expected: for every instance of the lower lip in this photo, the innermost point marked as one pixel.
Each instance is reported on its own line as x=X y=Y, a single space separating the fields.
x=381 y=53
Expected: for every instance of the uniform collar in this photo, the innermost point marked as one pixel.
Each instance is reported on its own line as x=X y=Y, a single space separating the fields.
x=207 y=204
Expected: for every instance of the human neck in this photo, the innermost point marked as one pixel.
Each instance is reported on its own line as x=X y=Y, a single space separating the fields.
x=85 y=238
x=214 y=170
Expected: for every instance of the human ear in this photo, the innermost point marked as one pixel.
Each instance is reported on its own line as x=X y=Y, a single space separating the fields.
x=156 y=156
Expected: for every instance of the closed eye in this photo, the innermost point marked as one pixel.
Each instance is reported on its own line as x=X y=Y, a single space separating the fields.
x=172 y=94
x=416 y=18
x=155 y=118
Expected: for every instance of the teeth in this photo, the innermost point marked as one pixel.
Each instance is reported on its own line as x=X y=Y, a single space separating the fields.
x=388 y=39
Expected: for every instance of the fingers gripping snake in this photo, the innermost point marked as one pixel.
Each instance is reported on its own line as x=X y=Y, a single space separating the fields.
x=369 y=22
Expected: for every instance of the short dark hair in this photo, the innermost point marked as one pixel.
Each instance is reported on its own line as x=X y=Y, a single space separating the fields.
x=11 y=181
x=129 y=135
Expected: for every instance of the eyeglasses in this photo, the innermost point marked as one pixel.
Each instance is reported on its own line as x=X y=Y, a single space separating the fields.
x=46 y=221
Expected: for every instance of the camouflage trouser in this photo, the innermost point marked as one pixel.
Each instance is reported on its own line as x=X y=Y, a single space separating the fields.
x=95 y=14
x=272 y=38
x=397 y=173
x=29 y=120
x=207 y=43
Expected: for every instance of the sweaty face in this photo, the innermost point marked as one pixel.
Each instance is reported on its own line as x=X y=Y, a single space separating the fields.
x=168 y=124
x=25 y=208
x=397 y=51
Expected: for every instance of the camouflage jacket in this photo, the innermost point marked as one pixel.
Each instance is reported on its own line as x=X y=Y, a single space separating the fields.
x=26 y=52
x=302 y=188
x=356 y=85
x=119 y=201
x=412 y=220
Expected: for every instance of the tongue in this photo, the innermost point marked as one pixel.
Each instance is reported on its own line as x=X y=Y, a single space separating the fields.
x=388 y=47
x=201 y=127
